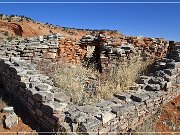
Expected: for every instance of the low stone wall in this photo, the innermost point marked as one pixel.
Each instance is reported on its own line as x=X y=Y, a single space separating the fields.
x=128 y=109
x=112 y=54
x=33 y=49
x=54 y=110
x=33 y=90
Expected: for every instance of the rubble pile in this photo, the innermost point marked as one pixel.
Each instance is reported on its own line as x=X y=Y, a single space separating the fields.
x=9 y=119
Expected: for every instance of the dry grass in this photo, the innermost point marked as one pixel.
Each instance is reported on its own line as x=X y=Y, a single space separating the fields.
x=123 y=77
x=71 y=78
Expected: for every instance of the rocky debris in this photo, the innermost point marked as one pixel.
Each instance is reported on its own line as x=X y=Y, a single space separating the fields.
x=11 y=120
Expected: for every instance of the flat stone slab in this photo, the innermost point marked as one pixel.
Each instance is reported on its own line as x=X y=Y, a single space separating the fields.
x=43 y=87
x=61 y=97
x=107 y=116
x=8 y=110
x=139 y=97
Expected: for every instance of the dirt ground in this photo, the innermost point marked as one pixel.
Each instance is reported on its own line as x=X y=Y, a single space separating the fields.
x=165 y=122
x=169 y=120
x=20 y=127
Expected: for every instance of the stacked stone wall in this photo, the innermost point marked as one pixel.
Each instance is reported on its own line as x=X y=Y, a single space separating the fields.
x=54 y=111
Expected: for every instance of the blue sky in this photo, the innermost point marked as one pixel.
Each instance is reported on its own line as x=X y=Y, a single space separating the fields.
x=152 y=20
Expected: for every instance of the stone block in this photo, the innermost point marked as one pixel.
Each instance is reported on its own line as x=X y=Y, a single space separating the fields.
x=44 y=96
x=155 y=80
x=153 y=87
x=61 y=97
x=11 y=121
x=89 y=109
x=119 y=110
x=34 y=79
x=139 y=97
x=91 y=125
x=53 y=107
x=105 y=103
x=144 y=79
x=168 y=85
x=107 y=116
x=43 y=87
x=125 y=96
x=104 y=130
x=8 y=110
x=170 y=65
x=170 y=72
x=177 y=64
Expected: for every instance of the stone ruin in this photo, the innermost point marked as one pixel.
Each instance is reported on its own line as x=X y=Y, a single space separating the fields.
x=106 y=55
x=55 y=112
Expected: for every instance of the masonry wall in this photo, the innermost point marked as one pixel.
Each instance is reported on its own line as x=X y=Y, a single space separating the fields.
x=130 y=47
x=33 y=49
x=33 y=90
x=54 y=110
x=129 y=109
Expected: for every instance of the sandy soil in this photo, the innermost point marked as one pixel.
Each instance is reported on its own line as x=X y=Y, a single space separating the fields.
x=169 y=120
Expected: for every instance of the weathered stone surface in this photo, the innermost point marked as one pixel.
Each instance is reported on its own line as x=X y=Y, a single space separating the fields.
x=107 y=116
x=144 y=79
x=44 y=96
x=153 y=87
x=61 y=97
x=118 y=110
x=34 y=79
x=125 y=96
x=139 y=97
x=89 y=109
x=170 y=72
x=8 y=110
x=43 y=87
x=105 y=103
x=170 y=65
x=11 y=121
x=53 y=107
x=90 y=126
